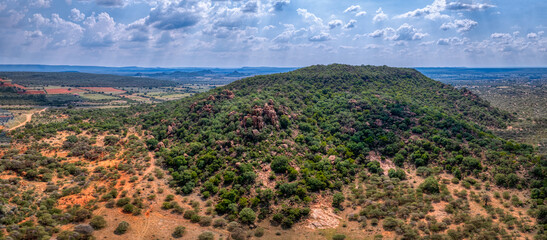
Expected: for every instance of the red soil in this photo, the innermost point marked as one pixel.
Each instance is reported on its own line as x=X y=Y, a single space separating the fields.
x=63 y=90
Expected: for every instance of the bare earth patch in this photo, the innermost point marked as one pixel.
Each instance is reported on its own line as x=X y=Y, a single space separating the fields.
x=322 y=218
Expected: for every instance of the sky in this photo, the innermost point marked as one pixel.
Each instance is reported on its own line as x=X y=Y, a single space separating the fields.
x=283 y=33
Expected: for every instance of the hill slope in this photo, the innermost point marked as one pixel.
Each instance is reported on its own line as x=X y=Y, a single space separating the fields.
x=376 y=149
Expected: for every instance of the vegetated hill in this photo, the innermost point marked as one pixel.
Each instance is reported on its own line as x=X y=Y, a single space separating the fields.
x=75 y=79
x=389 y=150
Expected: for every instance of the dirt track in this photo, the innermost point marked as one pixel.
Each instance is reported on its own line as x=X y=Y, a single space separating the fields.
x=29 y=117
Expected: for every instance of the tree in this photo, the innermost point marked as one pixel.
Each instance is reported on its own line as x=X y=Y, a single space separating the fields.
x=284 y=121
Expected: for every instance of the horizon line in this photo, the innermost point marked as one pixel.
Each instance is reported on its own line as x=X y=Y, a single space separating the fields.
x=213 y=67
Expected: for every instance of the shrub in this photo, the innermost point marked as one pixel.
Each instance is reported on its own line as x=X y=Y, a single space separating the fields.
x=68 y=235
x=84 y=229
x=205 y=221
x=542 y=214
x=98 y=222
x=188 y=214
x=390 y=224
x=506 y=195
x=195 y=218
x=122 y=228
x=238 y=234
x=123 y=201
x=280 y=164
x=337 y=199
x=397 y=173
x=232 y=225
x=179 y=232
x=128 y=208
x=339 y=237
x=247 y=215
x=430 y=185
x=206 y=236
x=374 y=167
x=423 y=171
x=219 y=223
x=80 y=215
x=259 y=232
x=166 y=205
x=110 y=204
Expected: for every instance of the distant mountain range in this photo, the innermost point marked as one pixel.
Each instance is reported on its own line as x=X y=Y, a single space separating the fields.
x=135 y=71
x=223 y=76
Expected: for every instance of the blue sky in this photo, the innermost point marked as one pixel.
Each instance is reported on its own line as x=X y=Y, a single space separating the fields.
x=223 y=33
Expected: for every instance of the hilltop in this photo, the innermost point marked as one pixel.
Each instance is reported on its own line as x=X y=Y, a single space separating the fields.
x=319 y=152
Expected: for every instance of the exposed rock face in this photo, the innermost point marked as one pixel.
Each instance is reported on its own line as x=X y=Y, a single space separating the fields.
x=321 y=218
x=208 y=108
x=260 y=116
x=193 y=105
x=228 y=94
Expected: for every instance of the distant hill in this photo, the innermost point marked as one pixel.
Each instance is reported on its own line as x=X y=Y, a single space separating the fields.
x=76 y=79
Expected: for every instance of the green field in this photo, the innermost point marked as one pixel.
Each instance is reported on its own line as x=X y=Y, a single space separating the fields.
x=98 y=97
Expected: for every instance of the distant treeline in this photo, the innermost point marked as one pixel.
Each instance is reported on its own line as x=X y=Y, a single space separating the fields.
x=76 y=79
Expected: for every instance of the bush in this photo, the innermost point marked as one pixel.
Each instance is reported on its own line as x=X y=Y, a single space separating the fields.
x=219 y=223
x=247 y=215
x=188 y=214
x=390 y=224
x=206 y=236
x=232 y=226
x=195 y=218
x=430 y=185
x=84 y=229
x=123 y=201
x=542 y=214
x=337 y=199
x=205 y=221
x=397 y=173
x=339 y=237
x=280 y=164
x=68 y=235
x=122 y=228
x=179 y=232
x=128 y=208
x=238 y=234
x=259 y=232
x=97 y=222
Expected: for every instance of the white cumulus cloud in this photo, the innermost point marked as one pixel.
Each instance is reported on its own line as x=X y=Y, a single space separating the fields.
x=380 y=16
x=461 y=25
x=76 y=15
x=405 y=32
